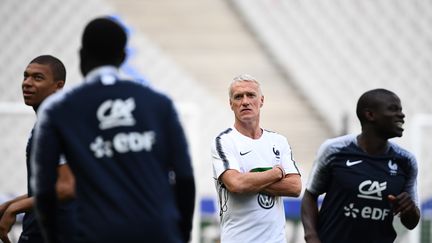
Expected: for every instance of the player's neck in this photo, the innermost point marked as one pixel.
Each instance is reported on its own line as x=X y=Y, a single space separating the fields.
x=249 y=130
x=373 y=145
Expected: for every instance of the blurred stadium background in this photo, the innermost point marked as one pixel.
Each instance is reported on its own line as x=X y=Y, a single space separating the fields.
x=314 y=59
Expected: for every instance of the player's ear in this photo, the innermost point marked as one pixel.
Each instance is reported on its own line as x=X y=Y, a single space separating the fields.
x=262 y=101
x=60 y=84
x=369 y=115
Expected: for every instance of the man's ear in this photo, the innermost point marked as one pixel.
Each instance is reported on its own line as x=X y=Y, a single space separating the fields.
x=369 y=115
x=60 y=84
x=262 y=101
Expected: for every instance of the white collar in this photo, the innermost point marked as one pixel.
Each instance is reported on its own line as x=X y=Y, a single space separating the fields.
x=108 y=74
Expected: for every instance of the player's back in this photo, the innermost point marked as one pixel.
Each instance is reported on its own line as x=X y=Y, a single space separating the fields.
x=121 y=139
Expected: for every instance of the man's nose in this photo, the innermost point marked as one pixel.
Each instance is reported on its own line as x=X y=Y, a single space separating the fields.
x=27 y=81
x=245 y=100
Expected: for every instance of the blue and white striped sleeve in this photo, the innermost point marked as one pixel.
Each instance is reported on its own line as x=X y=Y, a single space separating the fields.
x=411 y=184
x=319 y=176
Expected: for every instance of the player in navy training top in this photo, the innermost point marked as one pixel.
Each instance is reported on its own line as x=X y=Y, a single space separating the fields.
x=367 y=179
x=122 y=140
x=43 y=76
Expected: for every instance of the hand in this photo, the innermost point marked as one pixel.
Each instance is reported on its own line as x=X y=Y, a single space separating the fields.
x=281 y=169
x=7 y=221
x=401 y=203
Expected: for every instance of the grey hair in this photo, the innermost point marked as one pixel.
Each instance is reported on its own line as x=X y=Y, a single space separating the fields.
x=244 y=78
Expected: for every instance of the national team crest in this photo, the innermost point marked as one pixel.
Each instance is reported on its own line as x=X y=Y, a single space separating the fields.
x=393 y=167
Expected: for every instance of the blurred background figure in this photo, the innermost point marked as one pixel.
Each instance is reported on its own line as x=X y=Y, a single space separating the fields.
x=43 y=76
x=122 y=140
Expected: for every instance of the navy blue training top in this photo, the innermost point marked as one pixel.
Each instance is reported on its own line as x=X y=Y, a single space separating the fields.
x=120 y=139
x=355 y=208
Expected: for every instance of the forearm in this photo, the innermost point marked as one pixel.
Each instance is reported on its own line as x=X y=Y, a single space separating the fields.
x=251 y=182
x=21 y=206
x=9 y=202
x=65 y=185
x=290 y=186
x=309 y=216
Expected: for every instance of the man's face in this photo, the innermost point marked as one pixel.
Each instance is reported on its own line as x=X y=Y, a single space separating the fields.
x=38 y=84
x=246 y=101
x=389 y=117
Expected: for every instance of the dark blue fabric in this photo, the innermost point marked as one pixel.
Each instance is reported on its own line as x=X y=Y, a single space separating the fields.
x=122 y=185
x=356 y=200
x=66 y=217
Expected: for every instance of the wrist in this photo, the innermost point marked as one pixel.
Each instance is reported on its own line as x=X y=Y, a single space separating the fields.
x=281 y=170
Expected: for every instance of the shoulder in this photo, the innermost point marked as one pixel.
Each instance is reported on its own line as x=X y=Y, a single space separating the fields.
x=51 y=102
x=222 y=139
x=336 y=144
x=224 y=134
x=402 y=152
x=148 y=92
x=275 y=136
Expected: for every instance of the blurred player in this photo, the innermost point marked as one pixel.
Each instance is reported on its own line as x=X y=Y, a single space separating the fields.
x=367 y=179
x=122 y=140
x=43 y=76
x=252 y=168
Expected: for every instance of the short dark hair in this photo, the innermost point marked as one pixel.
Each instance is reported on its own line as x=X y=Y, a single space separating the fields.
x=104 y=39
x=370 y=99
x=57 y=67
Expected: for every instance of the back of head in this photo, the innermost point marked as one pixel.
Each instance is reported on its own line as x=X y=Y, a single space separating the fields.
x=370 y=100
x=103 y=43
x=57 y=67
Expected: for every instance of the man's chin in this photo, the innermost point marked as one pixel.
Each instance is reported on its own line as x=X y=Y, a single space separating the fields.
x=247 y=118
x=29 y=102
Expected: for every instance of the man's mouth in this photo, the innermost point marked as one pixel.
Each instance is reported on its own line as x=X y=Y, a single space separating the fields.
x=399 y=124
x=27 y=94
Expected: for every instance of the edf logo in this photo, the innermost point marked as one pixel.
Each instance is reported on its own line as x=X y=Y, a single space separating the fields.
x=366 y=212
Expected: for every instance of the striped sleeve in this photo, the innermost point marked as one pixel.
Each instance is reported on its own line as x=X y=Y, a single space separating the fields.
x=288 y=162
x=319 y=176
x=223 y=154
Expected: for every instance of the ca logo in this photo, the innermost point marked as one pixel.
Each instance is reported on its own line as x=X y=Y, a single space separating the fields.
x=372 y=189
x=113 y=113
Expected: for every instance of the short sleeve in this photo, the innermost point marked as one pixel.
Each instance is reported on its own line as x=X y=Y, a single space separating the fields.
x=411 y=184
x=288 y=162
x=319 y=176
x=223 y=156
